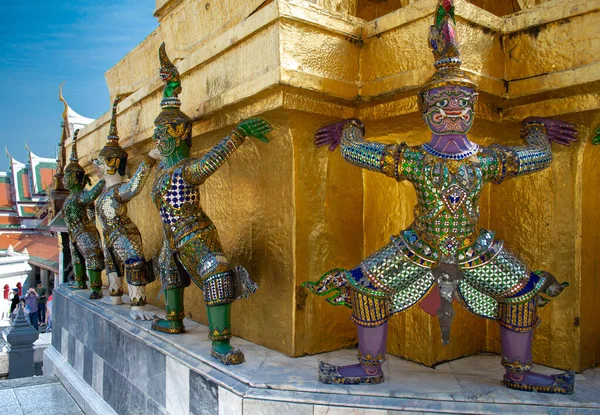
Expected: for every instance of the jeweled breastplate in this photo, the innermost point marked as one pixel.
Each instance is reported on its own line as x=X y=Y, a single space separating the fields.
x=109 y=209
x=177 y=202
x=112 y=213
x=447 y=212
x=76 y=215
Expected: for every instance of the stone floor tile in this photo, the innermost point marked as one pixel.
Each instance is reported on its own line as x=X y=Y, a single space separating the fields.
x=31 y=381
x=256 y=407
x=339 y=410
x=11 y=410
x=487 y=364
x=418 y=384
x=400 y=366
x=7 y=399
x=412 y=413
x=490 y=389
x=47 y=399
x=593 y=375
x=585 y=393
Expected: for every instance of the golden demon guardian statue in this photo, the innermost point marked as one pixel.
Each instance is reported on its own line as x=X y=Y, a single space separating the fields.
x=84 y=239
x=123 y=249
x=445 y=251
x=191 y=247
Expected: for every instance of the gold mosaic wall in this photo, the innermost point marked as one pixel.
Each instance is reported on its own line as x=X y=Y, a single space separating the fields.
x=289 y=212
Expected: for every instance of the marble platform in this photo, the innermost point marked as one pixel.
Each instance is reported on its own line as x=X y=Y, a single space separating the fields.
x=111 y=364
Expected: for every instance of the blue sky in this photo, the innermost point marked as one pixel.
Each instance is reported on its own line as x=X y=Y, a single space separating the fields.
x=45 y=42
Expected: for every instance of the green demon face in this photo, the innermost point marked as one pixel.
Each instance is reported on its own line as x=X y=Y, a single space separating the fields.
x=164 y=142
x=72 y=178
x=168 y=136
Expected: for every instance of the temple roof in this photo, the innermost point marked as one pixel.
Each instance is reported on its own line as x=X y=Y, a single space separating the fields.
x=42 y=172
x=76 y=121
x=6 y=193
x=42 y=249
x=20 y=180
x=23 y=190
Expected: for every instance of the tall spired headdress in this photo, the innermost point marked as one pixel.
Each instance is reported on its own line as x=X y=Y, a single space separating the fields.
x=177 y=124
x=112 y=149
x=74 y=166
x=61 y=159
x=444 y=45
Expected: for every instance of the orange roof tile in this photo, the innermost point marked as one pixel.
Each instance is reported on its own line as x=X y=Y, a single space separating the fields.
x=6 y=195
x=42 y=249
x=25 y=184
x=9 y=239
x=9 y=220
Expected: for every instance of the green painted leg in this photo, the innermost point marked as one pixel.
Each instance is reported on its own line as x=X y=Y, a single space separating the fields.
x=219 y=324
x=79 y=282
x=95 y=284
x=173 y=324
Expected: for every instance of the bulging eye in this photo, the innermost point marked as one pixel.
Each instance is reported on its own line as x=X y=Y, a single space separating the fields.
x=441 y=104
x=463 y=102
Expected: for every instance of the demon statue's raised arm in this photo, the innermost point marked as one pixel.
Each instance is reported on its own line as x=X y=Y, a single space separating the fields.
x=123 y=249
x=191 y=248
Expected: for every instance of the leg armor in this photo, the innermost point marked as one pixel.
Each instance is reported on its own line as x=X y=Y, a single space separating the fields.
x=114 y=275
x=371 y=355
x=368 y=311
x=136 y=271
x=518 y=319
x=173 y=323
x=88 y=244
x=219 y=288
x=79 y=280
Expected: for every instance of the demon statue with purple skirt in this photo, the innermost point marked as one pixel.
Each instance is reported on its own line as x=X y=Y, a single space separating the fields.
x=445 y=252
x=123 y=249
x=84 y=239
x=191 y=248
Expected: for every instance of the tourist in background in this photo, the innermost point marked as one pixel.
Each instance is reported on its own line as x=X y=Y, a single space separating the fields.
x=31 y=302
x=42 y=295
x=49 y=315
x=23 y=305
x=14 y=302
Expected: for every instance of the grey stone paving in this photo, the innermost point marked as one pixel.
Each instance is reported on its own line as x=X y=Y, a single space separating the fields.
x=37 y=395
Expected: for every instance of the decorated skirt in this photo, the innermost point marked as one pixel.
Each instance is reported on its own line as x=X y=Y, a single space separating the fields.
x=400 y=273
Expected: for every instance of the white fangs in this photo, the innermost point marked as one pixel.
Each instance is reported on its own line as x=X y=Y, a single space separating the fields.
x=463 y=114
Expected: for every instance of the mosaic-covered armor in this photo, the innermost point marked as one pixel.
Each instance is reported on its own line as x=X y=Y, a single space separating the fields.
x=191 y=249
x=78 y=212
x=444 y=254
x=190 y=231
x=446 y=226
x=123 y=248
